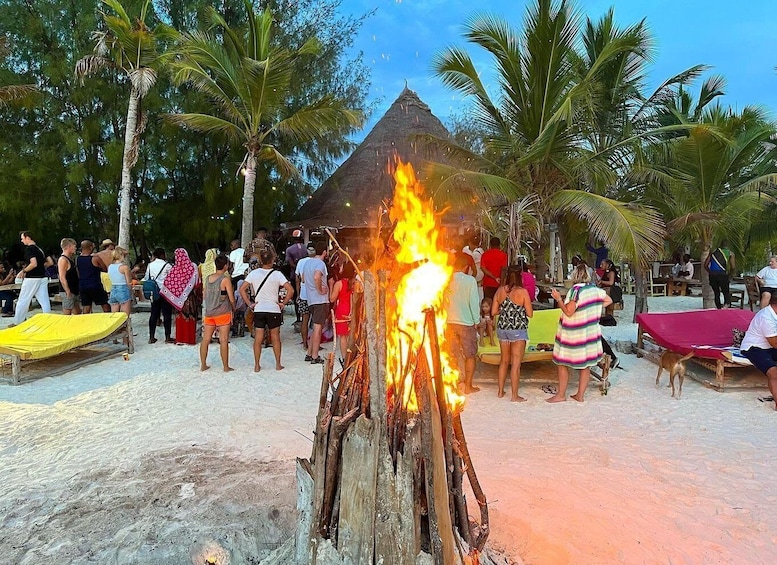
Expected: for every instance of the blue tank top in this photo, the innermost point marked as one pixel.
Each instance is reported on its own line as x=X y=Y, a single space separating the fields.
x=117 y=277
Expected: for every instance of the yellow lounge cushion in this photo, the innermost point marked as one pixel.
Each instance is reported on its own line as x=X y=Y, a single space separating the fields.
x=47 y=335
x=542 y=329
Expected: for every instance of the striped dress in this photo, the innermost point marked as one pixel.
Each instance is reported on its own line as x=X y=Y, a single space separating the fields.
x=578 y=339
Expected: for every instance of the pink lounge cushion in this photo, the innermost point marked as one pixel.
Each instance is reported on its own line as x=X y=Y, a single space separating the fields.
x=683 y=332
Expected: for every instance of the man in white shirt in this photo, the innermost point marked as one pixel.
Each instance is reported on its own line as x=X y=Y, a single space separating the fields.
x=314 y=276
x=157 y=271
x=237 y=260
x=302 y=293
x=760 y=344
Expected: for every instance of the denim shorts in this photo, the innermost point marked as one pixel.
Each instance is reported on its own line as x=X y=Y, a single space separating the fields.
x=119 y=294
x=512 y=335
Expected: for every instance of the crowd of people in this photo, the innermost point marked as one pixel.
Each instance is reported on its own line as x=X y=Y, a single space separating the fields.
x=487 y=299
x=246 y=286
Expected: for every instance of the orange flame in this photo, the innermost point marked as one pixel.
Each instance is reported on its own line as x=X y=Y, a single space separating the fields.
x=423 y=287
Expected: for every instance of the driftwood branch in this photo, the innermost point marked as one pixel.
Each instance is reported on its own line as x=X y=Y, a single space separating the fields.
x=474 y=483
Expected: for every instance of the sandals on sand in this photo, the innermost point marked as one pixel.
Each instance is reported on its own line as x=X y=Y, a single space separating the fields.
x=550 y=389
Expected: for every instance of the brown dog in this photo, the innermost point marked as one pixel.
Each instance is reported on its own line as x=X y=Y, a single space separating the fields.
x=675 y=364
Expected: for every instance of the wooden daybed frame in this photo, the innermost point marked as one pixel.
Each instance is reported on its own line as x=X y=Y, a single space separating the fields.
x=122 y=337
x=713 y=334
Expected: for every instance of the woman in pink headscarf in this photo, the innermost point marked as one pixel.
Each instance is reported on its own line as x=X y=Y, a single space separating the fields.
x=180 y=281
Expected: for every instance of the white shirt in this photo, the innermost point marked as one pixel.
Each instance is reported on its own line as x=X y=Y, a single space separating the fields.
x=476 y=254
x=303 y=291
x=687 y=267
x=769 y=276
x=267 y=298
x=236 y=258
x=157 y=270
x=763 y=325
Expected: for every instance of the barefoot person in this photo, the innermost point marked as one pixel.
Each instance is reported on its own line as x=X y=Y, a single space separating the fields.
x=760 y=344
x=513 y=305
x=219 y=305
x=265 y=283
x=463 y=306
x=578 y=339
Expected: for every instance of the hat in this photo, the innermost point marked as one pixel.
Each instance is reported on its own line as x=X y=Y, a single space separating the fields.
x=106 y=243
x=296 y=233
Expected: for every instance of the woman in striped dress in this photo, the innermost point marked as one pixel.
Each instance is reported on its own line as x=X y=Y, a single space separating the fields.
x=578 y=339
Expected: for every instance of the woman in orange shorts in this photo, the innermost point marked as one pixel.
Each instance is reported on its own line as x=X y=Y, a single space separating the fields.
x=219 y=305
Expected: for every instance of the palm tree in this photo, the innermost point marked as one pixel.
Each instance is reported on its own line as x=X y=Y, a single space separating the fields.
x=544 y=135
x=706 y=182
x=129 y=46
x=247 y=78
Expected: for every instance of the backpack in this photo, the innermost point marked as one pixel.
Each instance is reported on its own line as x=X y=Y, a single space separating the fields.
x=150 y=286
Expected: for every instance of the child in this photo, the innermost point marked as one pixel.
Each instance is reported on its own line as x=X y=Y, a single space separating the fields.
x=486 y=325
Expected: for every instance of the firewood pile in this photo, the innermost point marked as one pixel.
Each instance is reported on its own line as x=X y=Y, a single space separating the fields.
x=385 y=484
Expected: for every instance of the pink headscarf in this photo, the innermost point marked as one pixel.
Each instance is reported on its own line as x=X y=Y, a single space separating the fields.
x=180 y=281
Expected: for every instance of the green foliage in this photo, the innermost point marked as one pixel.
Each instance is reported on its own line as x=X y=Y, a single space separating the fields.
x=61 y=150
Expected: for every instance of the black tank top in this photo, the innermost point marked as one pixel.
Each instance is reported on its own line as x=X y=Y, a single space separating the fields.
x=88 y=274
x=72 y=275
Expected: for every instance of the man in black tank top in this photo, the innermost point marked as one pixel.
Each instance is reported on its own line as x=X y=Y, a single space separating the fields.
x=35 y=283
x=68 y=277
x=89 y=284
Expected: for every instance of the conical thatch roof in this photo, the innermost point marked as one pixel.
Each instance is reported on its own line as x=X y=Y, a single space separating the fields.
x=351 y=196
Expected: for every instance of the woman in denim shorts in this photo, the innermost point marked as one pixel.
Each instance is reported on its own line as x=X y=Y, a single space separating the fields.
x=513 y=305
x=121 y=281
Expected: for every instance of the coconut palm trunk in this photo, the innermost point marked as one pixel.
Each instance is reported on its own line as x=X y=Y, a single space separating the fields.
x=249 y=187
x=128 y=161
x=707 y=300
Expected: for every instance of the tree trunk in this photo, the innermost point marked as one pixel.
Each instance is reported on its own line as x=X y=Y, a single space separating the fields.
x=640 y=291
x=128 y=161
x=249 y=187
x=707 y=300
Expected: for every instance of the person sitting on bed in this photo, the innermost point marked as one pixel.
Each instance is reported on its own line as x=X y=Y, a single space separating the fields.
x=760 y=344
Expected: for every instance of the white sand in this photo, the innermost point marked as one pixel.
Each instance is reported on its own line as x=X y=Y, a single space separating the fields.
x=135 y=462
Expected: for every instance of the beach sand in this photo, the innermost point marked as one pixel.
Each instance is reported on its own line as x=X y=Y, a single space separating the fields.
x=140 y=461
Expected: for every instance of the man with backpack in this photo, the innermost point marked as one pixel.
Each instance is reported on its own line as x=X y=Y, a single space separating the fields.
x=156 y=272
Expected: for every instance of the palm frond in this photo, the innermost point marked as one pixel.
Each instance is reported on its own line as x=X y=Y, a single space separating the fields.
x=630 y=231
x=282 y=164
x=206 y=124
x=13 y=92
x=143 y=80
x=89 y=65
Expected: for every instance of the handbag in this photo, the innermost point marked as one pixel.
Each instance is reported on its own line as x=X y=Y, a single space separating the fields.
x=150 y=286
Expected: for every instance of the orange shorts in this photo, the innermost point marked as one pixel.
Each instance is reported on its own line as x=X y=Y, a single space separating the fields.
x=218 y=321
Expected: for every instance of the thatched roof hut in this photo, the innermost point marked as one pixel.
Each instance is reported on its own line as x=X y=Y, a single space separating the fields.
x=351 y=197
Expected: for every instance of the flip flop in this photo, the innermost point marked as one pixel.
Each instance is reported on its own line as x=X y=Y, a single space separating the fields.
x=549 y=389
x=766 y=398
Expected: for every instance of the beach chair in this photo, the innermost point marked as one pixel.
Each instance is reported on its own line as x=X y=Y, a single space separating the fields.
x=705 y=333
x=45 y=336
x=753 y=293
x=542 y=331
x=656 y=289
x=542 y=334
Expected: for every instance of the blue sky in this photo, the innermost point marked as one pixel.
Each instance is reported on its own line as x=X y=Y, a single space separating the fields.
x=735 y=38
